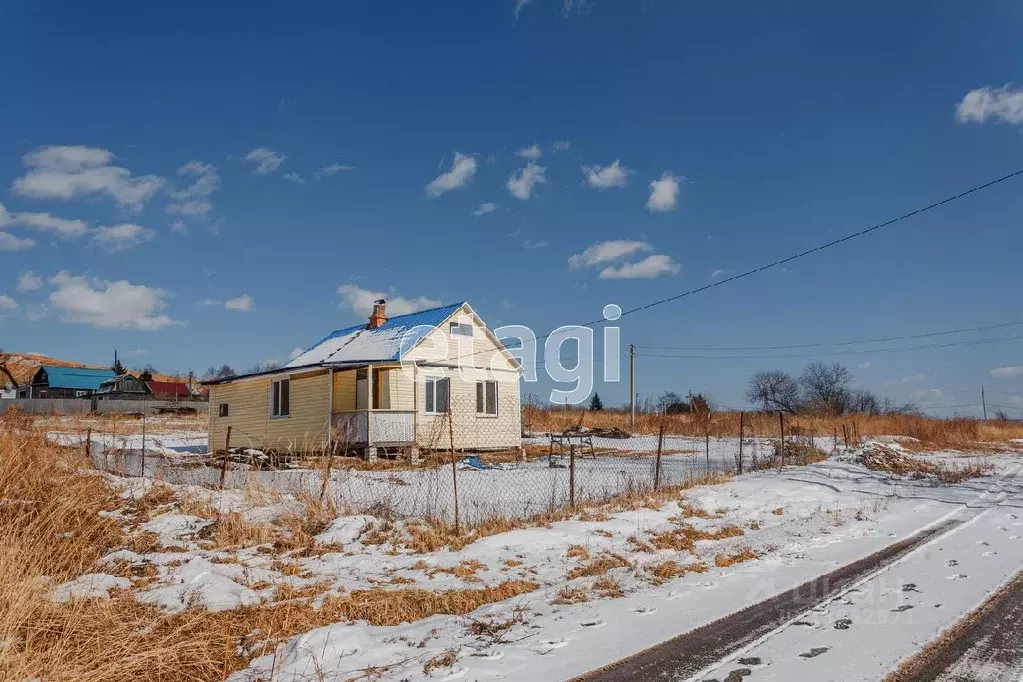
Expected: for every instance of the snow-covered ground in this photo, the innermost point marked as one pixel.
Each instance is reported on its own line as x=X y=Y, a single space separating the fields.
x=800 y=523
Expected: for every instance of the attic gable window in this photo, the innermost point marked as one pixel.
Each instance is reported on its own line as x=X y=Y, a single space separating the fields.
x=280 y=398
x=460 y=329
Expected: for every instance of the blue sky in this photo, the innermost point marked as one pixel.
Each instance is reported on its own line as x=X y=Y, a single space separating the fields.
x=159 y=163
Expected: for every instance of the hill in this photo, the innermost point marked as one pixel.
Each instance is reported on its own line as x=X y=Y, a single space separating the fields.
x=23 y=366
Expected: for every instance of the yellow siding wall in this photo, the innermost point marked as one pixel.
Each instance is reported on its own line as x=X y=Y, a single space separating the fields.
x=344 y=390
x=304 y=430
x=470 y=429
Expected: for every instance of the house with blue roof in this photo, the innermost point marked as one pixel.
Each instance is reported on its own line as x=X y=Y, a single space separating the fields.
x=51 y=381
x=412 y=382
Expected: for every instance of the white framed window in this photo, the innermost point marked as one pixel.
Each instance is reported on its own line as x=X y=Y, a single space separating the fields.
x=280 y=398
x=438 y=393
x=460 y=329
x=486 y=398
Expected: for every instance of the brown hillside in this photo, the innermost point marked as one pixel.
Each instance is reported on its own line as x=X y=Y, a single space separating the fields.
x=23 y=366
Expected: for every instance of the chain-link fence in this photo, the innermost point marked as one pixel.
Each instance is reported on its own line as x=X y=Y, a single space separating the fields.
x=473 y=460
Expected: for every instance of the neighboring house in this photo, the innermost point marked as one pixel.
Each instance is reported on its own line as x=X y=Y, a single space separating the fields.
x=123 y=387
x=388 y=384
x=64 y=382
x=169 y=390
x=8 y=385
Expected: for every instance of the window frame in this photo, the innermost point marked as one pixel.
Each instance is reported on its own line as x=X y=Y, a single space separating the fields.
x=281 y=399
x=430 y=394
x=453 y=325
x=223 y=410
x=481 y=384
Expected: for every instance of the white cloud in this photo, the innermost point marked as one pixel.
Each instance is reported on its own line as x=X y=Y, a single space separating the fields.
x=243 y=303
x=29 y=281
x=179 y=227
x=865 y=364
x=360 y=301
x=905 y=380
x=1004 y=103
x=9 y=242
x=294 y=177
x=664 y=193
x=68 y=172
x=648 y=268
x=331 y=170
x=207 y=302
x=122 y=237
x=605 y=177
x=1009 y=372
x=462 y=169
x=484 y=209
x=561 y=145
x=45 y=222
x=7 y=303
x=519 y=4
x=522 y=182
x=533 y=152
x=605 y=252
x=194 y=200
x=265 y=160
x=137 y=353
x=110 y=305
x=534 y=245
x=718 y=273
x=295 y=352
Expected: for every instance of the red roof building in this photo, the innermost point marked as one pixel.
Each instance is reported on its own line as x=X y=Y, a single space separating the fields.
x=169 y=390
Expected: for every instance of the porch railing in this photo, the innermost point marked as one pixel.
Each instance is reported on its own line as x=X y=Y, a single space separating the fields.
x=375 y=427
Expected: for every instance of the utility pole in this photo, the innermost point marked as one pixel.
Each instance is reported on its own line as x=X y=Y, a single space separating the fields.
x=632 y=387
x=983 y=403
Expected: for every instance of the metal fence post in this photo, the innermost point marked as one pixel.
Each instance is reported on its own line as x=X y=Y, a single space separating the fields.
x=657 y=465
x=781 y=440
x=227 y=452
x=454 y=467
x=571 y=475
x=742 y=425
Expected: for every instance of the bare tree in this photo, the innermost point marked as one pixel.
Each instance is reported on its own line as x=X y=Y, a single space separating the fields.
x=774 y=390
x=826 y=387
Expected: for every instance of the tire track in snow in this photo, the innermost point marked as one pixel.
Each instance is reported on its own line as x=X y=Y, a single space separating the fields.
x=694 y=654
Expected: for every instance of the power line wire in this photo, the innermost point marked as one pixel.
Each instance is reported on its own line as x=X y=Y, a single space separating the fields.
x=974 y=342
x=789 y=259
x=907 y=337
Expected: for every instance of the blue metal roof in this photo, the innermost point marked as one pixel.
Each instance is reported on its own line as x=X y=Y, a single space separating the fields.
x=79 y=378
x=389 y=341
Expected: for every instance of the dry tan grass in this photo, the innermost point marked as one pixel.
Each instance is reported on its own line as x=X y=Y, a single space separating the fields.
x=931 y=433
x=684 y=537
x=608 y=588
x=50 y=525
x=571 y=595
x=598 y=566
x=666 y=570
x=879 y=458
x=723 y=560
x=578 y=552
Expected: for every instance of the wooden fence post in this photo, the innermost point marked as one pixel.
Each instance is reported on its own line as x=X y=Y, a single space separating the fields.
x=326 y=473
x=845 y=435
x=88 y=443
x=454 y=468
x=657 y=465
x=742 y=428
x=706 y=444
x=227 y=453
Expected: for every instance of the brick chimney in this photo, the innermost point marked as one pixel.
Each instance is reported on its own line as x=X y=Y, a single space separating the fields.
x=379 y=314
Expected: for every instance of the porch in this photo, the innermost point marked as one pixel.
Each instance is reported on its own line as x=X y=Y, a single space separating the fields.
x=373 y=428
